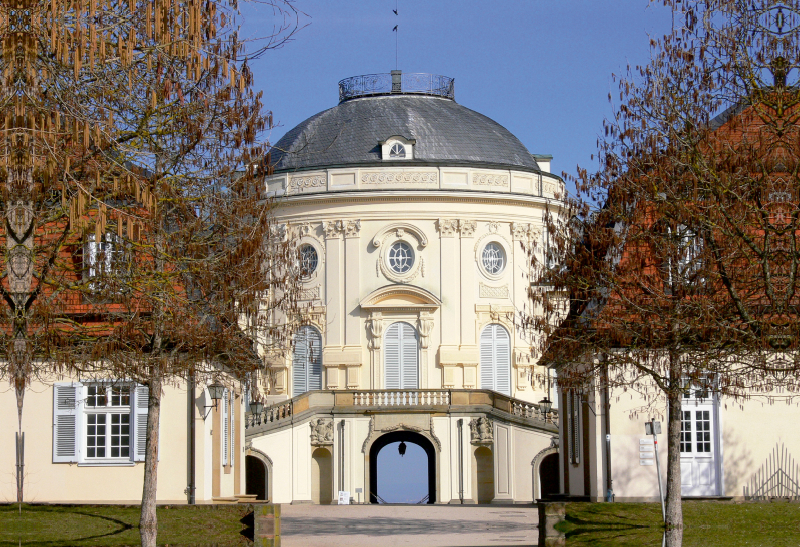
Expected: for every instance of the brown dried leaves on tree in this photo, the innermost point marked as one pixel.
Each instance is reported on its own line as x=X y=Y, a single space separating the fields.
x=138 y=239
x=686 y=274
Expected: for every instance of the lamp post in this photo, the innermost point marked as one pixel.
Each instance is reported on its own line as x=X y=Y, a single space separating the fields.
x=215 y=391
x=545 y=405
x=256 y=408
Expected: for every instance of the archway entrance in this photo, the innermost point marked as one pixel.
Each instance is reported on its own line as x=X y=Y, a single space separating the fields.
x=548 y=475
x=256 y=477
x=394 y=438
x=484 y=475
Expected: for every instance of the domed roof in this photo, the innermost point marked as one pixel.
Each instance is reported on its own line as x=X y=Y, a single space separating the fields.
x=351 y=133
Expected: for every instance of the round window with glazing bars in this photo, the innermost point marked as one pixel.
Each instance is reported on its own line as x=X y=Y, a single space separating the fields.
x=309 y=260
x=401 y=257
x=493 y=258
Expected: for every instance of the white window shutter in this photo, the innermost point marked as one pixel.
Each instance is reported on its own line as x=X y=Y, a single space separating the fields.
x=502 y=360
x=233 y=429
x=139 y=411
x=408 y=356
x=487 y=358
x=67 y=422
x=314 y=341
x=391 y=357
x=225 y=428
x=300 y=364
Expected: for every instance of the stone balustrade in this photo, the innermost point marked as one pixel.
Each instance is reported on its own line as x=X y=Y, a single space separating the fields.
x=389 y=400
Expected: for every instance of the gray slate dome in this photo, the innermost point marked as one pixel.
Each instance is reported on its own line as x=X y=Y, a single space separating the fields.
x=445 y=132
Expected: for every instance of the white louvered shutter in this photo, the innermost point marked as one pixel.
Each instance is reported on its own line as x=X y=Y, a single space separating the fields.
x=495 y=348
x=300 y=364
x=140 y=396
x=408 y=357
x=233 y=428
x=487 y=358
x=502 y=360
x=391 y=357
x=226 y=418
x=67 y=422
x=314 y=341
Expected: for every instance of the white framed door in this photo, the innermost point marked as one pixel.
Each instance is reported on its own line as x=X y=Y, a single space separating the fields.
x=699 y=449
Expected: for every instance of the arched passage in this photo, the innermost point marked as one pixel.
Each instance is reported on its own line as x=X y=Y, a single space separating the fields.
x=396 y=437
x=256 y=477
x=548 y=475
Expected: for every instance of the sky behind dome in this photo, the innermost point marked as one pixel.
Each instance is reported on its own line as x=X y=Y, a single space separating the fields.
x=541 y=68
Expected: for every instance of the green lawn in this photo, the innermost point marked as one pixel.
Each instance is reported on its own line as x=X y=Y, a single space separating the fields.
x=99 y=525
x=706 y=524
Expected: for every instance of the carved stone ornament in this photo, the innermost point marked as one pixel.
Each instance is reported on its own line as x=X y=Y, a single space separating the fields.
x=485 y=179
x=309 y=294
x=467 y=227
x=425 y=329
x=375 y=329
x=482 y=431
x=321 y=431
x=487 y=291
x=493 y=227
x=447 y=227
x=520 y=231
x=333 y=229
x=305 y=229
x=300 y=183
x=399 y=177
x=352 y=228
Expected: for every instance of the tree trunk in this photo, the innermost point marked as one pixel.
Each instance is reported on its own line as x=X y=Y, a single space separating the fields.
x=674 y=511
x=148 y=522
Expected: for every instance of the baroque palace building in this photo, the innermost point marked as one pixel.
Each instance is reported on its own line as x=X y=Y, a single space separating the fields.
x=413 y=217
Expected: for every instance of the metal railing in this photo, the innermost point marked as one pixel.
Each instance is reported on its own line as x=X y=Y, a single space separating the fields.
x=386 y=84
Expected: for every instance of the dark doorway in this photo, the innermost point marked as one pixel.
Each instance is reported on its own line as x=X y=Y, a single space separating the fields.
x=398 y=437
x=255 y=477
x=548 y=476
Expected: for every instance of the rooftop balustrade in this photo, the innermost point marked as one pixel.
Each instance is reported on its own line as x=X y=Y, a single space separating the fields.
x=395 y=83
x=392 y=400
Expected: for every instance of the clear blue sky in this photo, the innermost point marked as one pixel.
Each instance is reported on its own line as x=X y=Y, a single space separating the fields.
x=541 y=68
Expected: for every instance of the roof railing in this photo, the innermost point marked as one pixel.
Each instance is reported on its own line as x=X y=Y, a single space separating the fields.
x=396 y=83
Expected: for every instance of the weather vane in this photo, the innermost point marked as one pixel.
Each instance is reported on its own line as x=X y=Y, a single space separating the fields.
x=396 y=32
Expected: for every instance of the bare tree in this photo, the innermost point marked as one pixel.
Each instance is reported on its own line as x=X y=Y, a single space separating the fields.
x=685 y=279
x=137 y=233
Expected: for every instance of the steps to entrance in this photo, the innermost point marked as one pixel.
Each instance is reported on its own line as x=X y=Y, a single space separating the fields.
x=408 y=525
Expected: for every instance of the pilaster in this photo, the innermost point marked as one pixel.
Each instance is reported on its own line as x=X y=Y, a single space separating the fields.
x=334 y=282
x=467 y=232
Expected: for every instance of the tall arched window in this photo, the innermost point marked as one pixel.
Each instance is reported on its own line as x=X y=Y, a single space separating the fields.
x=496 y=359
x=306 y=361
x=400 y=357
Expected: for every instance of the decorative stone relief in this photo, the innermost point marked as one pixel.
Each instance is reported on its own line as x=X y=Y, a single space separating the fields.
x=447 y=227
x=398 y=177
x=520 y=231
x=300 y=183
x=425 y=329
x=279 y=231
x=485 y=179
x=309 y=294
x=493 y=226
x=321 y=431
x=467 y=227
x=333 y=229
x=305 y=229
x=375 y=329
x=487 y=291
x=352 y=228
x=481 y=429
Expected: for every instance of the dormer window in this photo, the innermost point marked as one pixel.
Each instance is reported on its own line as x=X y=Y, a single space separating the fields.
x=397 y=151
x=397 y=148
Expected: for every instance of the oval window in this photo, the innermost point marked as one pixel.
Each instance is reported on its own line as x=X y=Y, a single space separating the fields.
x=401 y=257
x=493 y=258
x=308 y=260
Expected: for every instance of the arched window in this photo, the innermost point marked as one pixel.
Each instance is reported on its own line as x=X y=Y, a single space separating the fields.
x=496 y=359
x=306 y=361
x=400 y=357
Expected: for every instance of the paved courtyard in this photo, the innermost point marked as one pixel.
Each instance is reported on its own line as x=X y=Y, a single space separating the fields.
x=408 y=525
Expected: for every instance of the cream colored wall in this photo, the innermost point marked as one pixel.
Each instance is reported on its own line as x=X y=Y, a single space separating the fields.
x=455 y=226
x=83 y=483
x=749 y=430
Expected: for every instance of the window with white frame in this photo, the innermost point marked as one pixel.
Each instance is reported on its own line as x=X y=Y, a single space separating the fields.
x=573 y=425
x=104 y=260
x=99 y=422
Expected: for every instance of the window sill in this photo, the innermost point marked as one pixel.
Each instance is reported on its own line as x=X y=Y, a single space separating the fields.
x=107 y=463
